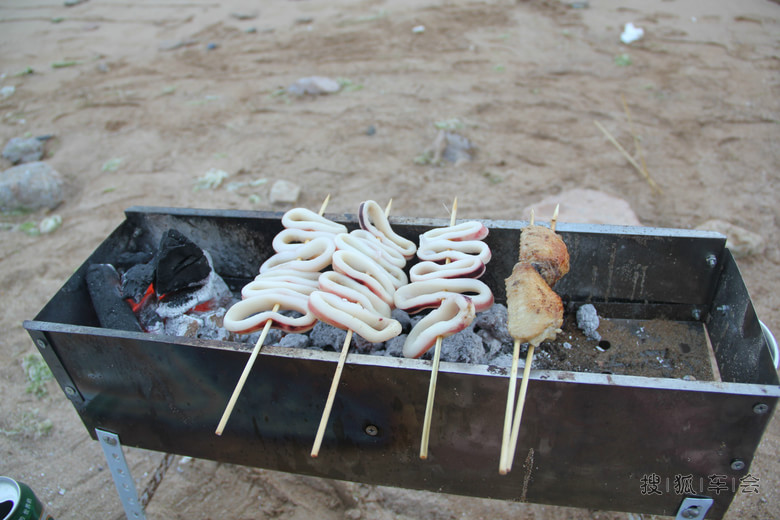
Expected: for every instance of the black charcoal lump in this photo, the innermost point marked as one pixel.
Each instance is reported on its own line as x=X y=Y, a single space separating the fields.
x=180 y=264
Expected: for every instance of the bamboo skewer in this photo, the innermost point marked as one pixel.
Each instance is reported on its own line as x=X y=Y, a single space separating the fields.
x=251 y=361
x=426 y=433
x=510 y=400
x=315 y=449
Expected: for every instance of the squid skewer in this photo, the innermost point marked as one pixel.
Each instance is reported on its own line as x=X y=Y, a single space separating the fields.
x=251 y=361
x=426 y=432
x=335 y=383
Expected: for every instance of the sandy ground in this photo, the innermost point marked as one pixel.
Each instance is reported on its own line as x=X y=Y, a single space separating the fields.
x=525 y=82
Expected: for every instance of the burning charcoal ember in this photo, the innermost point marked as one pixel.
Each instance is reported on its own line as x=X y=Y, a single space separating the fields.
x=463 y=347
x=180 y=264
x=136 y=281
x=112 y=311
x=294 y=341
x=494 y=321
x=327 y=337
x=588 y=321
x=183 y=325
x=213 y=293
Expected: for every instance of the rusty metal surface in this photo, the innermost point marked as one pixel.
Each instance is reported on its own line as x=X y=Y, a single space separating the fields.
x=589 y=440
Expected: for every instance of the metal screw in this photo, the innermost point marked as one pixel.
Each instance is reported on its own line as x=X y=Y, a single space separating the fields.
x=691 y=512
x=696 y=313
x=372 y=430
x=41 y=344
x=110 y=441
x=711 y=260
x=70 y=391
x=760 y=409
x=737 y=464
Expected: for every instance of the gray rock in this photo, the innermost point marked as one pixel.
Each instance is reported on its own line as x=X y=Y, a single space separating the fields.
x=22 y=150
x=458 y=148
x=314 y=85
x=464 y=347
x=585 y=206
x=284 y=192
x=588 y=321
x=742 y=242
x=30 y=186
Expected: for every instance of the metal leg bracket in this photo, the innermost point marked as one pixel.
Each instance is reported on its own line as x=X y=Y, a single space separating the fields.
x=125 y=485
x=694 y=508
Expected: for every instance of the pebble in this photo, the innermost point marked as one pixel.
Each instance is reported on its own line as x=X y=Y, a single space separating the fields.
x=740 y=241
x=458 y=148
x=283 y=192
x=314 y=85
x=585 y=206
x=23 y=150
x=30 y=186
x=371 y=130
x=244 y=15
x=7 y=91
x=211 y=46
x=588 y=321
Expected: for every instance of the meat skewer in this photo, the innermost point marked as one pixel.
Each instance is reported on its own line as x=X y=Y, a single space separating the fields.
x=358 y=294
x=535 y=314
x=285 y=279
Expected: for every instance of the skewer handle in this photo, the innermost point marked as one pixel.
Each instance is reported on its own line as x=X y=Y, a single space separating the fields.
x=426 y=433
x=510 y=404
x=520 y=405
x=247 y=369
x=315 y=450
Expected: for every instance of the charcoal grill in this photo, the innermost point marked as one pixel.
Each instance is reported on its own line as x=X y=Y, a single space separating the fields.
x=589 y=440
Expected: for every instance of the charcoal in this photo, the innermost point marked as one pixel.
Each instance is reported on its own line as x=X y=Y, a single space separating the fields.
x=395 y=347
x=364 y=346
x=464 y=347
x=494 y=320
x=136 y=281
x=588 y=321
x=403 y=318
x=179 y=264
x=212 y=293
x=112 y=311
x=127 y=260
x=183 y=325
x=327 y=337
x=294 y=341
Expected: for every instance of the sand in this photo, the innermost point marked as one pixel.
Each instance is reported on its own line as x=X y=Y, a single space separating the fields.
x=144 y=108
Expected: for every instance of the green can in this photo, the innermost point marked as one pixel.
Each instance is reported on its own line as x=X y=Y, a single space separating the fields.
x=18 y=502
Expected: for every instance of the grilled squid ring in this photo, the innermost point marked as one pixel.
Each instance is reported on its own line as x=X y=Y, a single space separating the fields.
x=344 y=314
x=372 y=218
x=251 y=314
x=313 y=256
x=428 y=294
x=455 y=313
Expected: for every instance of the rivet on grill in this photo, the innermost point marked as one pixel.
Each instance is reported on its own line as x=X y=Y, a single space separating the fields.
x=372 y=430
x=70 y=391
x=691 y=512
x=737 y=464
x=760 y=408
x=41 y=344
x=711 y=260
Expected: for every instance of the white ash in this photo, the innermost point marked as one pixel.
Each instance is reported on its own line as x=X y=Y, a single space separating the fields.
x=588 y=321
x=294 y=341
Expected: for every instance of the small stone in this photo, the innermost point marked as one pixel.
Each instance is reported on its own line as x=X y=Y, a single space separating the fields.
x=585 y=206
x=740 y=241
x=458 y=148
x=50 y=224
x=371 y=130
x=353 y=514
x=588 y=321
x=23 y=150
x=244 y=15
x=7 y=91
x=417 y=29
x=314 y=85
x=211 y=46
x=284 y=192
x=30 y=186
x=304 y=20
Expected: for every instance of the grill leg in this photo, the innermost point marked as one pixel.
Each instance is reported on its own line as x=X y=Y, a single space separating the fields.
x=125 y=485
